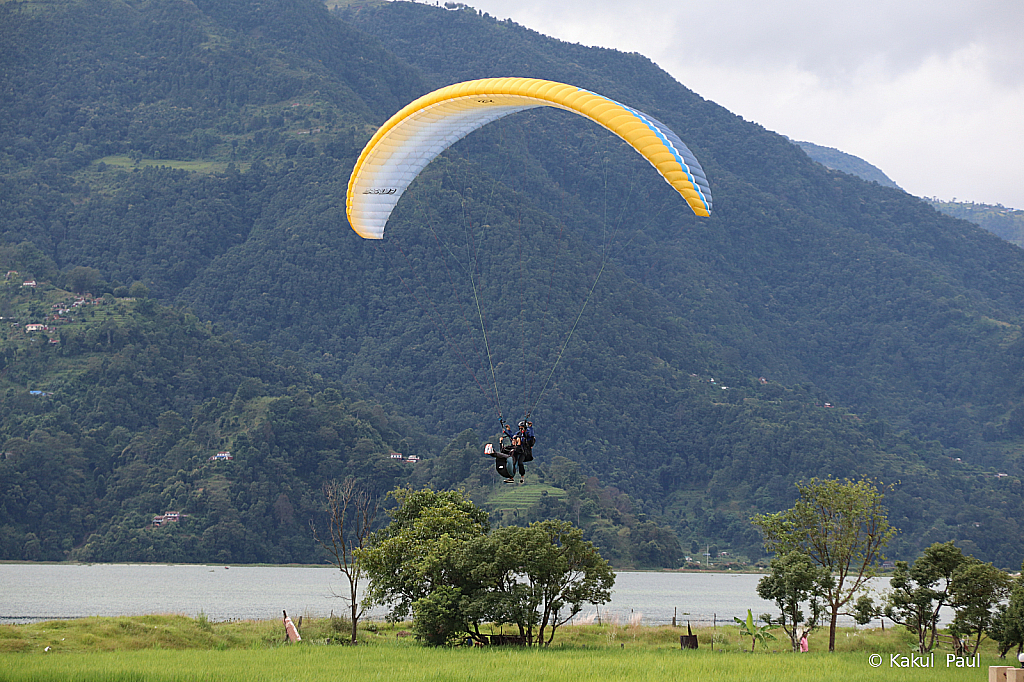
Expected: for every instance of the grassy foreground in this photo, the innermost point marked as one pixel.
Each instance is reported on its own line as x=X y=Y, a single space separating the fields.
x=179 y=648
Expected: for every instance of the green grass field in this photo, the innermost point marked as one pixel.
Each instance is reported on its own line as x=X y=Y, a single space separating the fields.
x=398 y=664
x=205 y=166
x=522 y=497
x=194 y=649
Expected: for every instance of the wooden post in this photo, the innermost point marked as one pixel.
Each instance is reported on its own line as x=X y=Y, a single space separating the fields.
x=674 y=616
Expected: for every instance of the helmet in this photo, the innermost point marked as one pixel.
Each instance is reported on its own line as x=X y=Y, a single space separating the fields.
x=522 y=424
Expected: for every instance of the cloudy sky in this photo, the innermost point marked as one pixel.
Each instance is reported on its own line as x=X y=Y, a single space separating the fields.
x=930 y=91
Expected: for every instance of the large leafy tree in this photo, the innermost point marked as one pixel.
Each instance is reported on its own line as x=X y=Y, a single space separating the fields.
x=422 y=549
x=547 y=571
x=920 y=590
x=842 y=526
x=437 y=561
x=976 y=591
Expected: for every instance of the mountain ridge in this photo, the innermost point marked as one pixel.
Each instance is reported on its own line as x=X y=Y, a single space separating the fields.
x=1004 y=222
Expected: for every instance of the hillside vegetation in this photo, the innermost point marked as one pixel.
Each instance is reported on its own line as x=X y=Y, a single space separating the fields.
x=847 y=163
x=118 y=410
x=816 y=324
x=1007 y=223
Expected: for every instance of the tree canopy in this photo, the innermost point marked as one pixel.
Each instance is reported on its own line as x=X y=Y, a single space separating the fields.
x=438 y=561
x=919 y=591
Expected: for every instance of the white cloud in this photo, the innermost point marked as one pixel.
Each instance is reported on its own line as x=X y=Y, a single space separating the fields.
x=931 y=93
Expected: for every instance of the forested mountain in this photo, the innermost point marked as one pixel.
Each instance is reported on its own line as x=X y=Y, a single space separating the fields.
x=113 y=414
x=1008 y=223
x=1005 y=222
x=134 y=432
x=816 y=324
x=847 y=163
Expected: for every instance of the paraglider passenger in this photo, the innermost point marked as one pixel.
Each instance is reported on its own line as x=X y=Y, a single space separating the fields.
x=500 y=460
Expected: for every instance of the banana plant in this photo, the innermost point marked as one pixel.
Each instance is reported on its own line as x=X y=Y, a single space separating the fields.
x=755 y=632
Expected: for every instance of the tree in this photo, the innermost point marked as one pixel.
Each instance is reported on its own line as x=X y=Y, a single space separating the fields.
x=466 y=599
x=792 y=580
x=842 y=526
x=865 y=610
x=82 y=279
x=975 y=591
x=438 y=561
x=138 y=290
x=421 y=549
x=1008 y=625
x=440 y=617
x=546 y=573
x=920 y=591
x=350 y=516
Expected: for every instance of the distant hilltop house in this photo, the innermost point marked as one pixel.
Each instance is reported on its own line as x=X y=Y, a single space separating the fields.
x=86 y=299
x=399 y=457
x=168 y=517
x=29 y=328
x=223 y=456
x=28 y=283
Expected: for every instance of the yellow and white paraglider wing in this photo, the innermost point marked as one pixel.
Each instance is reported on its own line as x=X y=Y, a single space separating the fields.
x=414 y=136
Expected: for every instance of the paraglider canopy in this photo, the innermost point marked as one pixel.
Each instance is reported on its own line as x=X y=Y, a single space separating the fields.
x=413 y=137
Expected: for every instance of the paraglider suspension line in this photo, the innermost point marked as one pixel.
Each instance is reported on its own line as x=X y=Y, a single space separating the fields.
x=567 y=338
x=487 y=345
x=438 y=321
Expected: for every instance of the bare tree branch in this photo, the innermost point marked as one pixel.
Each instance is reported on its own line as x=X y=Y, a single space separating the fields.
x=351 y=513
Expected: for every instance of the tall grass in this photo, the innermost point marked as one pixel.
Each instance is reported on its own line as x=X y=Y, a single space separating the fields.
x=417 y=664
x=182 y=649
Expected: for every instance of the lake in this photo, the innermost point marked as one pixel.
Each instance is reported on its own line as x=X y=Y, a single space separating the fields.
x=34 y=592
